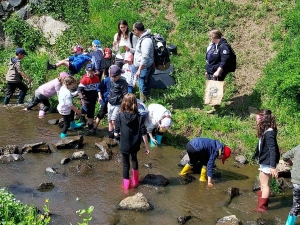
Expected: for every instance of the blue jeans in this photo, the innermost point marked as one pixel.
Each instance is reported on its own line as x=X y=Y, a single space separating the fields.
x=130 y=89
x=145 y=79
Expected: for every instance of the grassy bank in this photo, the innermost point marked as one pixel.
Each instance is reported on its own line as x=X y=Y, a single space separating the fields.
x=278 y=89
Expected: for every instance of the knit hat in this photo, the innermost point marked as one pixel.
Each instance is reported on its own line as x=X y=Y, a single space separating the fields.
x=226 y=153
x=63 y=74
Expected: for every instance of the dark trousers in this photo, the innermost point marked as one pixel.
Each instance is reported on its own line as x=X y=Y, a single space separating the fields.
x=39 y=98
x=11 y=88
x=296 y=200
x=126 y=164
x=67 y=120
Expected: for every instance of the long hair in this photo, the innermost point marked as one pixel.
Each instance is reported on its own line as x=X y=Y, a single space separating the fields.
x=265 y=121
x=129 y=104
x=122 y=22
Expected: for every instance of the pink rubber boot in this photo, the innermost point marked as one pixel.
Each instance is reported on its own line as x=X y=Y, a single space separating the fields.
x=41 y=114
x=126 y=184
x=135 y=178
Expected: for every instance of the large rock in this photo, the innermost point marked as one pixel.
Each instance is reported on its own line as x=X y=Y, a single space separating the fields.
x=183 y=219
x=17 y=3
x=7 y=7
x=9 y=149
x=156 y=180
x=137 y=203
x=79 y=155
x=11 y=158
x=241 y=159
x=229 y=220
x=69 y=142
x=185 y=159
x=24 y=12
x=110 y=142
x=50 y=27
x=284 y=169
x=46 y=186
x=105 y=152
x=36 y=147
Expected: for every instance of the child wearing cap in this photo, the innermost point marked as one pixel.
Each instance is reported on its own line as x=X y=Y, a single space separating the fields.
x=74 y=63
x=88 y=93
x=96 y=57
x=267 y=153
x=14 y=77
x=204 y=152
x=46 y=91
x=65 y=105
x=159 y=119
x=118 y=89
x=129 y=74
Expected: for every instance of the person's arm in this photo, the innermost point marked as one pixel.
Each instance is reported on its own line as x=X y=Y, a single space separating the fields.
x=225 y=55
x=24 y=75
x=290 y=155
x=80 y=90
x=145 y=139
x=78 y=112
x=271 y=144
x=18 y=67
x=117 y=126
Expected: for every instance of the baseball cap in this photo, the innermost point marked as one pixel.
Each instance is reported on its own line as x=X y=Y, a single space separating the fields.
x=63 y=74
x=21 y=51
x=77 y=48
x=115 y=70
x=90 y=67
x=226 y=153
x=96 y=43
x=128 y=56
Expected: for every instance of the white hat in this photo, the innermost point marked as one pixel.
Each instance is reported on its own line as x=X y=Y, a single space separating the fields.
x=166 y=122
x=159 y=44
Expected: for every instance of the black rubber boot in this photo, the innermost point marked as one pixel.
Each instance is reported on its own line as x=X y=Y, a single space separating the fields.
x=21 y=97
x=6 y=100
x=83 y=121
x=50 y=66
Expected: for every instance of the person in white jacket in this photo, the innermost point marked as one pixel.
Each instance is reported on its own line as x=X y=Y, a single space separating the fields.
x=159 y=119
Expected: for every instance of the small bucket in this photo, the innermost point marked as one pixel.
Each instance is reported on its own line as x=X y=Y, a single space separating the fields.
x=158 y=138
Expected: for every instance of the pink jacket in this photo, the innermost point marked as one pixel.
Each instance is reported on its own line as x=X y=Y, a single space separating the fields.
x=50 y=88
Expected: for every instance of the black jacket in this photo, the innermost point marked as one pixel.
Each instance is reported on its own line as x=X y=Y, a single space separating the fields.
x=117 y=91
x=269 y=150
x=131 y=128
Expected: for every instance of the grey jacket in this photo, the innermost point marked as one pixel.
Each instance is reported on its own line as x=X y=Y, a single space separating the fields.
x=295 y=155
x=144 y=51
x=13 y=74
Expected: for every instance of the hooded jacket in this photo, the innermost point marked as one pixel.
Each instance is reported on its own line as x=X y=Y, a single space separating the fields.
x=14 y=71
x=294 y=154
x=131 y=127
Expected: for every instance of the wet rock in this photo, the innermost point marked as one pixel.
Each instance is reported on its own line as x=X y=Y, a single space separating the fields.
x=256 y=185
x=10 y=158
x=84 y=168
x=156 y=180
x=187 y=179
x=53 y=122
x=36 y=147
x=105 y=152
x=51 y=170
x=137 y=203
x=284 y=169
x=231 y=192
x=61 y=122
x=64 y=161
x=262 y=221
x=148 y=165
x=69 y=142
x=183 y=219
x=185 y=159
x=110 y=142
x=79 y=155
x=46 y=186
x=241 y=159
x=183 y=153
x=9 y=149
x=229 y=220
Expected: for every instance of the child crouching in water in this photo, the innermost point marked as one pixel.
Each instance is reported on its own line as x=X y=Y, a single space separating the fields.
x=129 y=123
x=65 y=106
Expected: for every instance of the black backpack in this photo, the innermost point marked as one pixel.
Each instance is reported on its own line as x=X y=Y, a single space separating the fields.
x=231 y=63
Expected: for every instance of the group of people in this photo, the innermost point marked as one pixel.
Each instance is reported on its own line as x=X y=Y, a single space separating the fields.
x=131 y=121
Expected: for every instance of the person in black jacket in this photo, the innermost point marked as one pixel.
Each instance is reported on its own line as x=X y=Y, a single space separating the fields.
x=267 y=153
x=131 y=127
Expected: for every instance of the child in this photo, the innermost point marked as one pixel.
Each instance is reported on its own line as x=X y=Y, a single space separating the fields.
x=129 y=124
x=74 y=63
x=88 y=93
x=46 y=91
x=267 y=153
x=118 y=89
x=295 y=173
x=65 y=106
x=103 y=92
x=97 y=57
x=14 y=77
x=205 y=151
x=129 y=73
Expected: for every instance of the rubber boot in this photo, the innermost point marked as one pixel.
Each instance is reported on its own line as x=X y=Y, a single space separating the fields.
x=158 y=138
x=74 y=125
x=41 y=114
x=259 y=194
x=21 y=97
x=186 y=170
x=83 y=121
x=135 y=178
x=262 y=205
x=126 y=183
x=50 y=66
x=203 y=176
x=63 y=135
x=291 y=220
x=6 y=101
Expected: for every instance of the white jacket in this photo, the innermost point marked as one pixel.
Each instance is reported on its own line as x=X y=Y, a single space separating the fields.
x=156 y=112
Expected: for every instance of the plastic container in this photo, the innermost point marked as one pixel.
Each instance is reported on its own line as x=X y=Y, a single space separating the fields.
x=158 y=138
x=152 y=144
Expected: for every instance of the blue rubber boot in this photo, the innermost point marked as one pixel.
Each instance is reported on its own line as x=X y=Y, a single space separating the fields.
x=63 y=135
x=158 y=138
x=74 y=125
x=291 y=220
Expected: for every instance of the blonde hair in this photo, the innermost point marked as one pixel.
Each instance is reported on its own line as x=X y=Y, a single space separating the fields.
x=129 y=103
x=215 y=33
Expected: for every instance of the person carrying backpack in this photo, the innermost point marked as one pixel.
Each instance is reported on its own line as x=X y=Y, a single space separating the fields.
x=143 y=59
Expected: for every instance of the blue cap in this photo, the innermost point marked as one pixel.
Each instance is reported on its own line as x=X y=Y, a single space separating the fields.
x=90 y=67
x=21 y=51
x=115 y=70
x=96 y=43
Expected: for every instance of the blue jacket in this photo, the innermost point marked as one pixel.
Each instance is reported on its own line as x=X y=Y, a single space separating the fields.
x=208 y=151
x=97 y=57
x=104 y=88
x=79 y=60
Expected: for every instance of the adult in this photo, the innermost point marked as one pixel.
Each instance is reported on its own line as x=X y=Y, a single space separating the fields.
x=205 y=151
x=124 y=41
x=158 y=120
x=143 y=59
